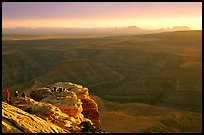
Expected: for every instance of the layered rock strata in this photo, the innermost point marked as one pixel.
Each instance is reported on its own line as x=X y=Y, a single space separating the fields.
x=15 y=120
x=89 y=107
x=48 y=112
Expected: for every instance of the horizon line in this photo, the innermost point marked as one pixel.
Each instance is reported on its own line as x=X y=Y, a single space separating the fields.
x=98 y=27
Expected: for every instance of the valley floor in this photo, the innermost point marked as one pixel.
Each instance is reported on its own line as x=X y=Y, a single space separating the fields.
x=144 y=118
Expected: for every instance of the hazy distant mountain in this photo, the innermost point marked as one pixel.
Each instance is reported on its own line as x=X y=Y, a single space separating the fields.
x=81 y=31
x=180 y=28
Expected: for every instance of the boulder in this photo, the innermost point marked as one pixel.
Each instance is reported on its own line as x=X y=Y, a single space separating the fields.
x=90 y=111
x=40 y=93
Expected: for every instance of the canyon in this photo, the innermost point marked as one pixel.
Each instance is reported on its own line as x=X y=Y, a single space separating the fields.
x=142 y=73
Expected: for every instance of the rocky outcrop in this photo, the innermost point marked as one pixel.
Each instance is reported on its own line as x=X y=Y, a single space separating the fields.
x=15 y=120
x=89 y=107
x=68 y=103
x=49 y=112
x=66 y=107
x=40 y=93
x=90 y=111
x=7 y=127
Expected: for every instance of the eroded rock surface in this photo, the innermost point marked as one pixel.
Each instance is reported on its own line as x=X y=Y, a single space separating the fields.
x=48 y=112
x=66 y=107
x=16 y=120
x=40 y=93
x=68 y=103
x=89 y=107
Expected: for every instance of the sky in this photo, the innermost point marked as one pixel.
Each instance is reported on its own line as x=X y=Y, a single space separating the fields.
x=150 y=15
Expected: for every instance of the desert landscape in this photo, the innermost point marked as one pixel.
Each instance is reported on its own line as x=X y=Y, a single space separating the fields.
x=132 y=73
x=114 y=67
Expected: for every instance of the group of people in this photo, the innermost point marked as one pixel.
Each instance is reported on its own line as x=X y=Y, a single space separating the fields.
x=8 y=95
x=60 y=89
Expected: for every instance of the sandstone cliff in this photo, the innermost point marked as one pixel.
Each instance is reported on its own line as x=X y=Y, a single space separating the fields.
x=65 y=109
x=15 y=120
x=90 y=108
x=46 y=111
x=68 y=103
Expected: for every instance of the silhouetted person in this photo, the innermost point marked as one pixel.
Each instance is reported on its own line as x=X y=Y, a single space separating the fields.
x=54 y=89
x=60 y=89
x=10 y=101
x=23 y=94
x=16 y=94
x=51 y=90
x=7 y=96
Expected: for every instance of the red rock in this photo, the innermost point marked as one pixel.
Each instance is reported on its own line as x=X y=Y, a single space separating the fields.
x=89 y=106
x=90 y=111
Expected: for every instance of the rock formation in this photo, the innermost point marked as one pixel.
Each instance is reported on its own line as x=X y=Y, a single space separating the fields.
x=68 y=103
x=90 y=108
x=40 y=93
x=66 y=107
x=47 y=112
x=15 y=120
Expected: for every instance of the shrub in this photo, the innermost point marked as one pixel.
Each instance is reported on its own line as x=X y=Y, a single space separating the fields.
x=87 y=127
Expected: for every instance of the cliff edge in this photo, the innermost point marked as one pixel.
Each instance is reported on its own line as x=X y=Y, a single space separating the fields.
x=59 y=108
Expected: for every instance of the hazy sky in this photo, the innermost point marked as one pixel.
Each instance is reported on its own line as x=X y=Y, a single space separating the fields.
x=102 y=14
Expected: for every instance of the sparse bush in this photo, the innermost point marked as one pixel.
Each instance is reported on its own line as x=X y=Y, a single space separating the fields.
x=87 y=127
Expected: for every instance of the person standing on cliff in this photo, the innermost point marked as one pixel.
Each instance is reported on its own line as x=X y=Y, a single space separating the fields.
x=16 y=94
x=60 y=89
x=7 y=96
x=54 y=89
x=23 y=94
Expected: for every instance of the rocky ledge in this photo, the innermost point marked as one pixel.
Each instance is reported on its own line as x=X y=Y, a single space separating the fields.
x=59 y=108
